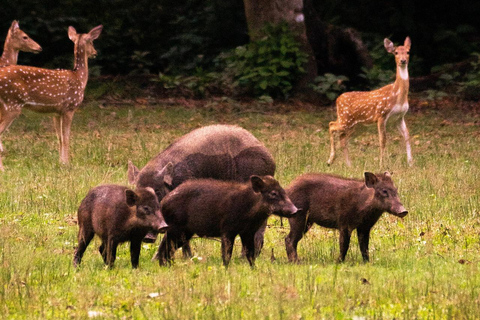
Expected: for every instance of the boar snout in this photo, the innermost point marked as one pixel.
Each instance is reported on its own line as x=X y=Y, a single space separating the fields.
x=293 y=209
x=160 y=226
x=401 y=212
x=289 y=209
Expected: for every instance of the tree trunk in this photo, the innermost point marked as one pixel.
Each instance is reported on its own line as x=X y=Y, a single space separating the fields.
x=260 y=12
x=340 y=51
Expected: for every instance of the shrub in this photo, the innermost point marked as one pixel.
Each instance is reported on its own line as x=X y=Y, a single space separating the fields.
x=269 y=66
x=330 y=85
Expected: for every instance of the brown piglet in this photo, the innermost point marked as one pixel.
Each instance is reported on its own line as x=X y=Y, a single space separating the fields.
x=224 y=209
x=117 y=214
x=339 y=203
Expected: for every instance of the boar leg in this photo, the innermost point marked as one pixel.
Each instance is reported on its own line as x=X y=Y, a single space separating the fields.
x=84 y=239
x=111 y=250
x=363 y=239
x=345 y=234
x=259 y=235
x=172 y=240
x=135 y=246
x=187 y=250
x=167 y=248
x=298 y=226
x=163 y=252
x=227 y=248
x=249 y=246
x=103 y=252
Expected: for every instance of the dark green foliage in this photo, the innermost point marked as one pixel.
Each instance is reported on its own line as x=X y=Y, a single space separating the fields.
x=269 y=66
x=199 y=84
x=442 y=31
x=180 y=36
x=140 y=37
x=330 y=85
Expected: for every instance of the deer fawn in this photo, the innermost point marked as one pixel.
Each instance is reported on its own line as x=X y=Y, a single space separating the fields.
x=48 y=91
x=16 y=41
x=381 y=105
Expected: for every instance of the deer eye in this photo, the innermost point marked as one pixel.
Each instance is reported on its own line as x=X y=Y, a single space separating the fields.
x=25 y=37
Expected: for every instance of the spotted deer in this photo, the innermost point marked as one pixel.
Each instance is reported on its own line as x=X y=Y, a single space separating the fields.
x=378 y=106
x=48 y=91
x=16 y=41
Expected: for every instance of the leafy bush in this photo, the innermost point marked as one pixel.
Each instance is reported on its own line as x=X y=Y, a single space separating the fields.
x=377 y=77
x=470 y=84
x=199 y=84
x=269 y=66
x=330 y=85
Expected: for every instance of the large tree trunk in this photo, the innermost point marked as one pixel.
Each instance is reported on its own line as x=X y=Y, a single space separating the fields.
x=340 y=51
x=260 y=12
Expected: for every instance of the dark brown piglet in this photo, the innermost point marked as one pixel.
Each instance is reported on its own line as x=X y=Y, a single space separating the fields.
x=224 y=209
x=343 y=204
x=117 y=214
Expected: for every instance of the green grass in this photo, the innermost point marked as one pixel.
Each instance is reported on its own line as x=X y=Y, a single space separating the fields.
x=425 y=266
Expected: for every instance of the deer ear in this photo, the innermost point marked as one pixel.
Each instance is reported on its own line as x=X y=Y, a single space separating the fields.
x=388 y=45
x=95 y=32
x=131 y=197
x=370 y=179
x=14 y=25
x=257 y=183
x=407 y=43
x=72 y=33
x=132 y=173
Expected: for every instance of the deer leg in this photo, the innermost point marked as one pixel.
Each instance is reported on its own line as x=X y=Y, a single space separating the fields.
x=332 y=130
x=64 y=129
x=406 y=136
x=5 y=122
x=57 y=126
x=382 y=136
x=344 y=143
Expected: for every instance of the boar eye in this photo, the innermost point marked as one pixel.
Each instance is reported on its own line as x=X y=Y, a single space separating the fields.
x=147 y=210
x=273 y=194
x=385 y=193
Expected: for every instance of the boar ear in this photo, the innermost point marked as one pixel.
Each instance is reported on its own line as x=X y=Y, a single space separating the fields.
x=387 y=175
x=257 y=183
x=370 y=179
x=132 y=173
x=167 y=173
x=389 y=46
x=131 y=197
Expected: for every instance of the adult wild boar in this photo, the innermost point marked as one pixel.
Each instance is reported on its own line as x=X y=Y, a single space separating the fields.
x=343 y=204
x=117 y=214
x=222 y=152
x=225 y=209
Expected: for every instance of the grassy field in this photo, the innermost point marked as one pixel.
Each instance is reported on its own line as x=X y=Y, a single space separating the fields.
x=425 y=266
